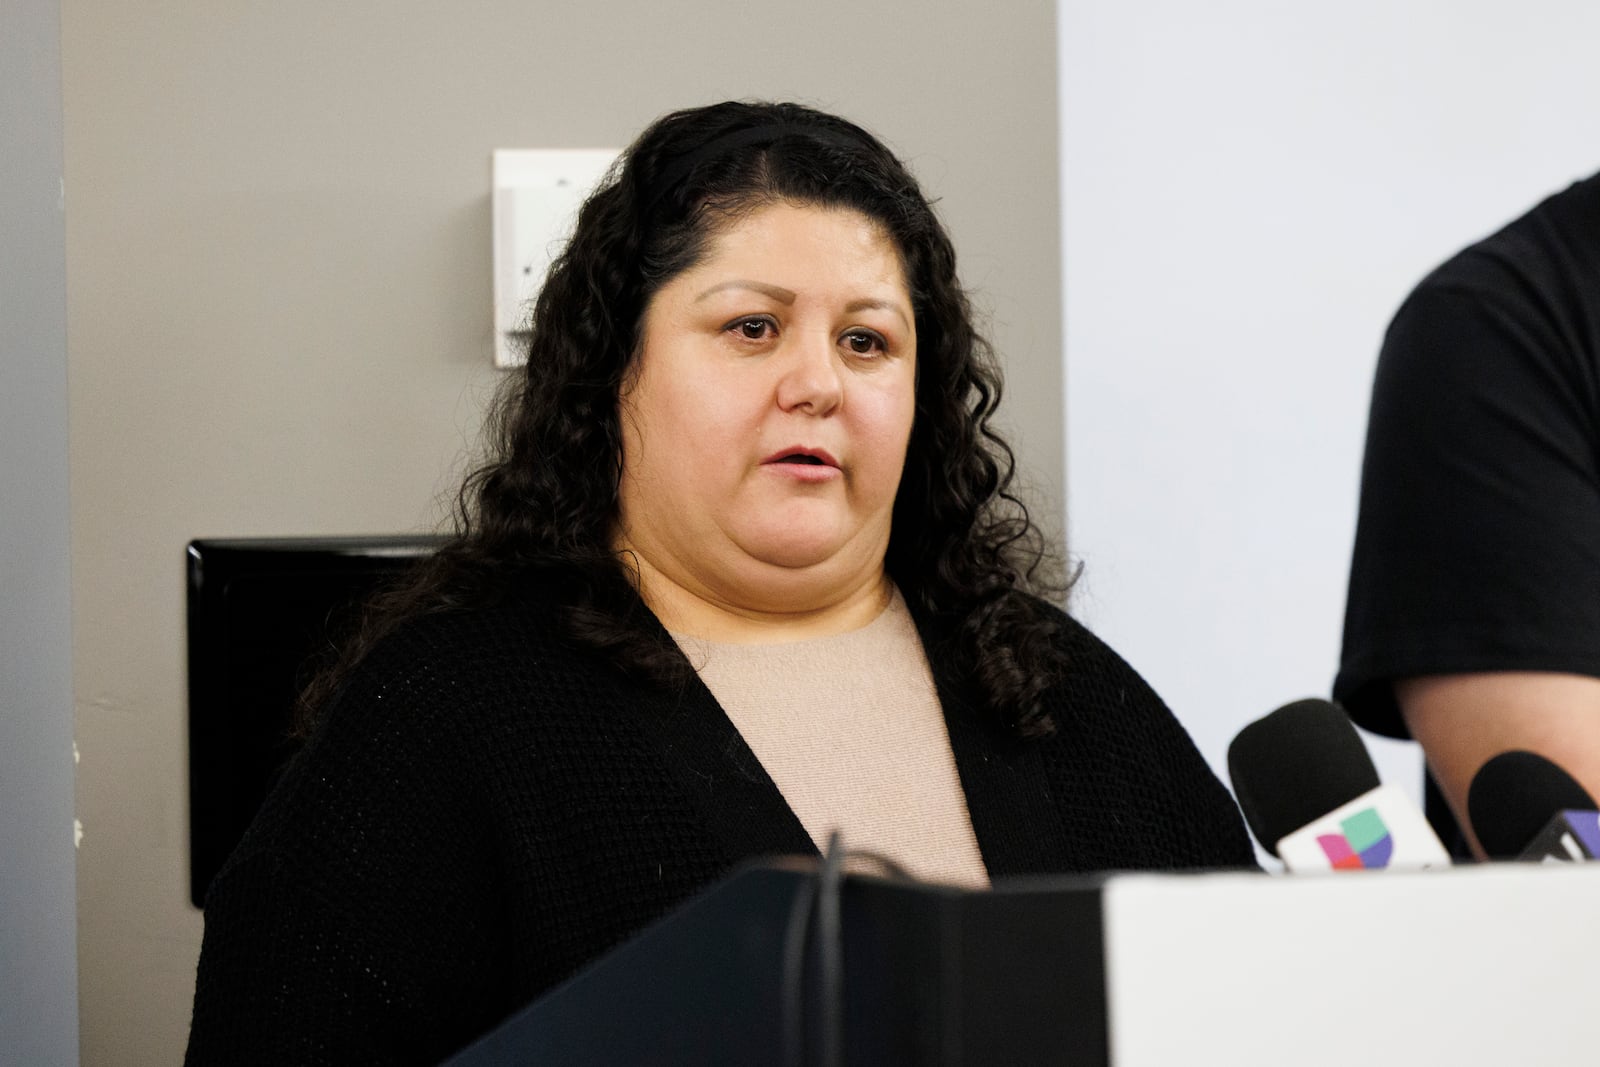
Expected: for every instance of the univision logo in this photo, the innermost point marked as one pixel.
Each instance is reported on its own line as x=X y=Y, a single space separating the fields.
x=1365 y=844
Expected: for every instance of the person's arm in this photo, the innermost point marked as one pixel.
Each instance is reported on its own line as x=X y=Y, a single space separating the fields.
x=1464 y=720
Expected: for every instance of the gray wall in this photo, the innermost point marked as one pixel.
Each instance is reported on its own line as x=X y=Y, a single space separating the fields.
x=278 y=268
x=38 y=962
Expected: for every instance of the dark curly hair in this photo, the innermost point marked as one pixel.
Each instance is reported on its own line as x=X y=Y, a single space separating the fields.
x=962 y=549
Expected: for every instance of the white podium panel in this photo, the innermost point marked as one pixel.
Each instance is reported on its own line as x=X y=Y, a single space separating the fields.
x=1496 y=965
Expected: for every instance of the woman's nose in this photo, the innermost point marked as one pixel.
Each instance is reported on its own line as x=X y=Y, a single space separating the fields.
x=811 y=380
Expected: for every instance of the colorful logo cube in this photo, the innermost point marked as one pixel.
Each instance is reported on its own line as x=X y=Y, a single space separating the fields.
x=1366 y=843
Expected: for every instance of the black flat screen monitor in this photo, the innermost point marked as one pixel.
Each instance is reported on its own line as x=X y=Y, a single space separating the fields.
x=264 y=616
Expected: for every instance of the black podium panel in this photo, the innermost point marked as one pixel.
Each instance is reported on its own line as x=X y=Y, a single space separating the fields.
x=928 y=975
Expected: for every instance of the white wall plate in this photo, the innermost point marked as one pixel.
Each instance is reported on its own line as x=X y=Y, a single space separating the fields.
x=537 y=193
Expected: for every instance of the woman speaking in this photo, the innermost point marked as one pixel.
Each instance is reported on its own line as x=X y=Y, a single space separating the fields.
x=742 y=570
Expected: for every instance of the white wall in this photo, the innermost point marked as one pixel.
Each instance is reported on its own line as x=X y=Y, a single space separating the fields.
x=38 y=941
x=279 y=308
x=1249 y=190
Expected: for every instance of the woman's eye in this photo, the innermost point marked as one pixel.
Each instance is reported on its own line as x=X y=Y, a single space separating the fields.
x=753 y=329
x=864 y=342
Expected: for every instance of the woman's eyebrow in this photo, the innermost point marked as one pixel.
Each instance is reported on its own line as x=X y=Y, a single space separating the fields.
x=877 y=305
x=787 y=296
x=777 y=292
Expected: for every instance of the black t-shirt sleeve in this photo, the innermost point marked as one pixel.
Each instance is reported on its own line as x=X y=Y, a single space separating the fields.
x=1478 y=543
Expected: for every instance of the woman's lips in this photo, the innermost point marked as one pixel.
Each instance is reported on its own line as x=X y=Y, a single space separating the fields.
x=801 y=455
x=803 y=464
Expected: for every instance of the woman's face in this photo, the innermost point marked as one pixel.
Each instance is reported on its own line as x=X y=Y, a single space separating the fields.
x=765 y=427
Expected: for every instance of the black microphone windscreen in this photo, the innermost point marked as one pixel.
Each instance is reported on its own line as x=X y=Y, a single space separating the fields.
x=1514 y=795
x=1296 y=765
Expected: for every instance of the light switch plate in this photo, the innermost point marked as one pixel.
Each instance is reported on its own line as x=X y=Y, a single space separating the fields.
x=536 y=196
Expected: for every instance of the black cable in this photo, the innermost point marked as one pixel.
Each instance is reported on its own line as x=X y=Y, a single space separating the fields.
x=831 y=952
x=794 y=963
x=886 y=867
x=820 y=894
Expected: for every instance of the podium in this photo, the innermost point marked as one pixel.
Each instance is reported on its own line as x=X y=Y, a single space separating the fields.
x=1493 y=964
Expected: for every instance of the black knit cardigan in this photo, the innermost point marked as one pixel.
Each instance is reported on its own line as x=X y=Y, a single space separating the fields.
x=484 y=810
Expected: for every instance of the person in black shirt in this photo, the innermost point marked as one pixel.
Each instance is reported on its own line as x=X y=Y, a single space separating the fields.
x=1473 y=620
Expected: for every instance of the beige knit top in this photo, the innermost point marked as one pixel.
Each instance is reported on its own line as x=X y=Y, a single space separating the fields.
x=851 y=731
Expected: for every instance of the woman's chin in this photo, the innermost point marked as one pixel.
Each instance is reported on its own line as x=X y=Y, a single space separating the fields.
x=798 y=551
x=799 y=559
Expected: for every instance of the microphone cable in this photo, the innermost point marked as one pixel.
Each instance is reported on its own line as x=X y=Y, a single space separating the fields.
x=818 y=898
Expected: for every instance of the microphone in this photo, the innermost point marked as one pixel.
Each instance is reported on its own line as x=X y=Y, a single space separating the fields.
x=1523 y=806
x=1312 y=797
